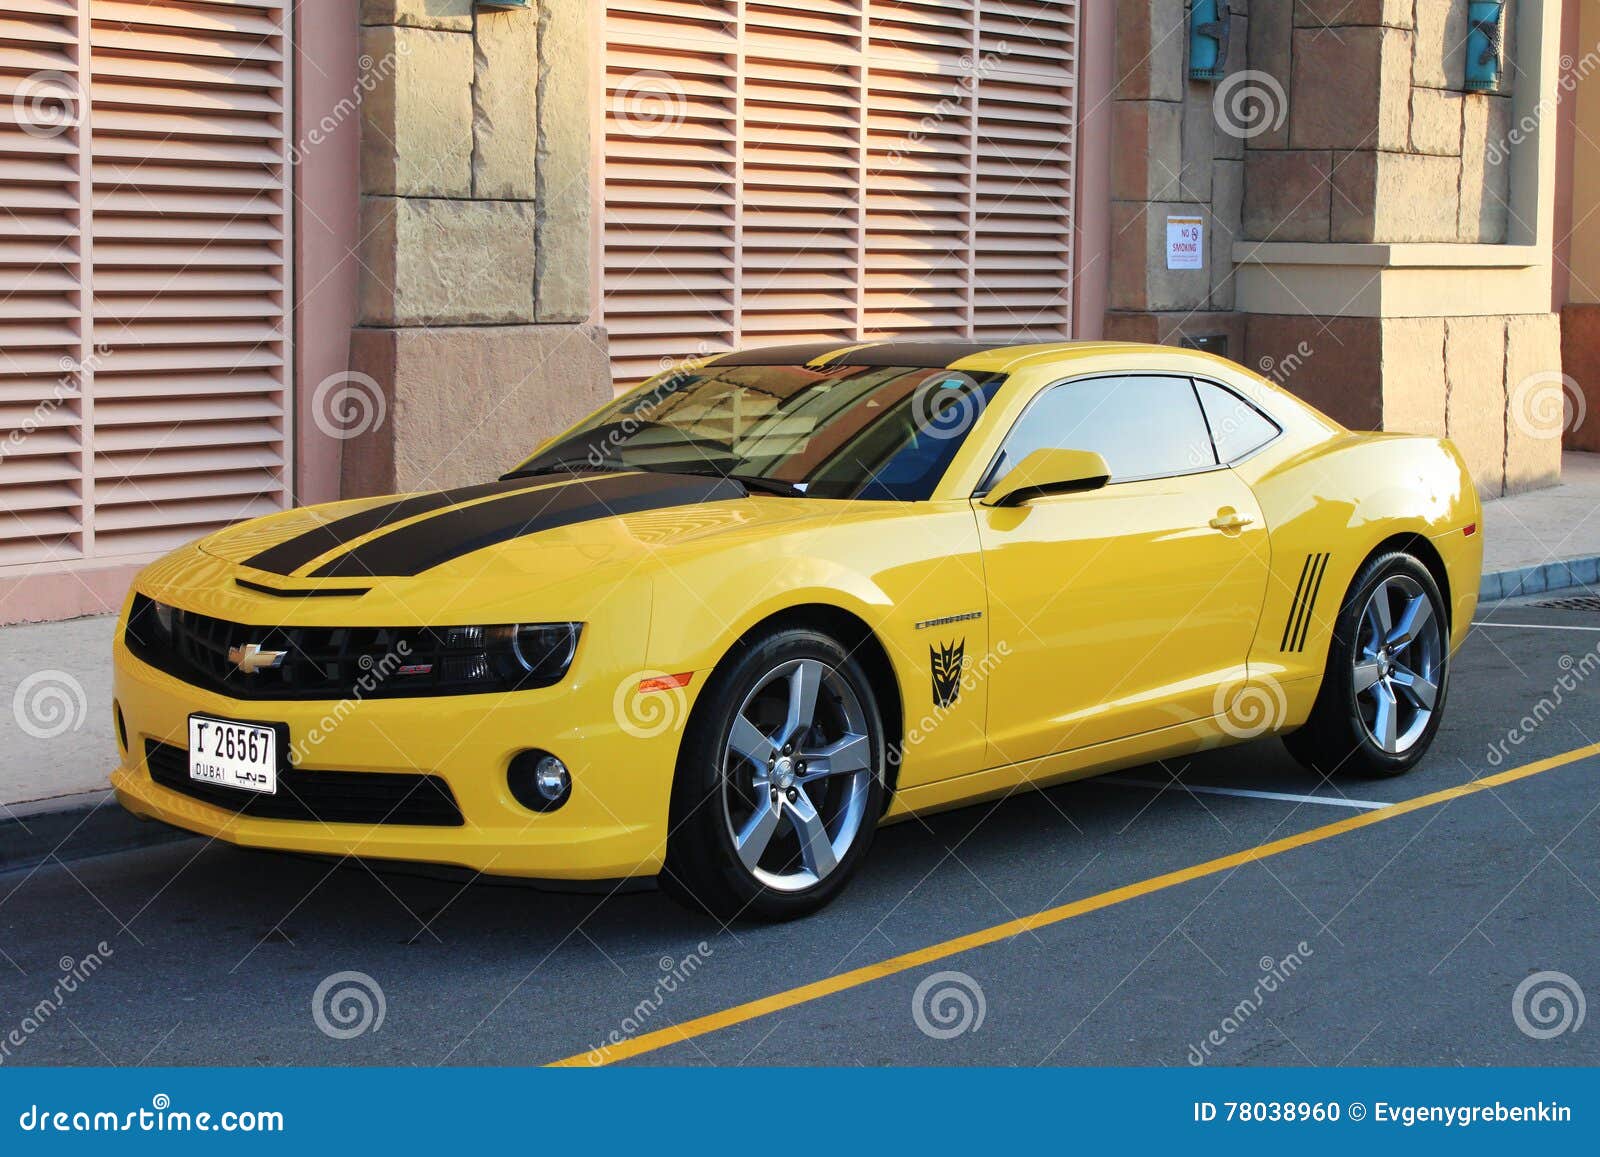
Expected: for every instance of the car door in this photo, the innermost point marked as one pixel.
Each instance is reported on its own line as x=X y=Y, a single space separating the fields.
x=1124 y=609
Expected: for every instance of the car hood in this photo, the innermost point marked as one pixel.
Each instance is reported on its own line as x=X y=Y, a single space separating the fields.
x=534 y=533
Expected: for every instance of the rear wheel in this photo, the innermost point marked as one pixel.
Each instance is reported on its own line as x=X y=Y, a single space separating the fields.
x=1388 y=667
x=779 y=783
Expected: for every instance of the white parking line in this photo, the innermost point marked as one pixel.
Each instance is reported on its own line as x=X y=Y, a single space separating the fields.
x=1538 y=626
x=1247 y=793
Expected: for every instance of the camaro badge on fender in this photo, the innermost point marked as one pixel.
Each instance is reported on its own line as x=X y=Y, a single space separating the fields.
x=250 y=658
x=947 y=662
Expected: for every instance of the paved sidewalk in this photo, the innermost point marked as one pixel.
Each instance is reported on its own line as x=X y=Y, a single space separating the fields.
x=55 y=710
x=1546 y=525
x=1545 y=539
x=57 y=749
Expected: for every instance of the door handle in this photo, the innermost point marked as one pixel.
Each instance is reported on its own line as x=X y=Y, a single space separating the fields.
x=1231 y=521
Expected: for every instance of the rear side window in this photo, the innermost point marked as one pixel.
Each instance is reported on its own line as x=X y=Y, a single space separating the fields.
x=1144 y=426
x=1237 y=427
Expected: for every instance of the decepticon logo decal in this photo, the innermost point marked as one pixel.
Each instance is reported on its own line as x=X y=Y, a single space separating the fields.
x=946 y=661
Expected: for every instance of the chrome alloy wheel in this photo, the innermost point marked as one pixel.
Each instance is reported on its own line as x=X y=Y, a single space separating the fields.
x=797 y=768
x=1399 y=663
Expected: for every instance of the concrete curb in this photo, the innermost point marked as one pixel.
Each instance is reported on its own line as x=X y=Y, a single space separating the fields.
x=92 y=824
x=72 y=828
x=1536 y=580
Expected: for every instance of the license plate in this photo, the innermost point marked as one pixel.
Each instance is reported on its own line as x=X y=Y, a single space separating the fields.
x=233 y=754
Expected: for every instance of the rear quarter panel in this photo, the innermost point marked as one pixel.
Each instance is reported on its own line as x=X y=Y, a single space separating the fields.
x=1328 y=508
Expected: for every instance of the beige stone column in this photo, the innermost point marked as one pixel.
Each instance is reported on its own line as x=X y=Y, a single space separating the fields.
x=1391 y=256
x=477 y=284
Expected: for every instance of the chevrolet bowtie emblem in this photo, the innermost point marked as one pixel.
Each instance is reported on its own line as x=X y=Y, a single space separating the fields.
x=250 y=658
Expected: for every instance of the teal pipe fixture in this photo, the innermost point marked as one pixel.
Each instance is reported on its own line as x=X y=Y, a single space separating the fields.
x=1208 y=39
x=1485 y=43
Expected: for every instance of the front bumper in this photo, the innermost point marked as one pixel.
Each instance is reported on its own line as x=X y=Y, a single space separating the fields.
x=613 y=826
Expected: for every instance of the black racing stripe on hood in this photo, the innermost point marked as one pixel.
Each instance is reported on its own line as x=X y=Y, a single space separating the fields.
x=291 y=554
x=410 y=550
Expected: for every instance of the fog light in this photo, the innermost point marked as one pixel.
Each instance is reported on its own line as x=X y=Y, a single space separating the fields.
x=551 y=778
x=539 y=781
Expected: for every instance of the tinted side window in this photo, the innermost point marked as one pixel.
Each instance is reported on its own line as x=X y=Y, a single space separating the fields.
x=1237 y=427
x=1142 y=426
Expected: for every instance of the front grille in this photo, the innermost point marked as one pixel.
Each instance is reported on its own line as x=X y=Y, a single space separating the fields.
x=318 y=662
x=334 y=797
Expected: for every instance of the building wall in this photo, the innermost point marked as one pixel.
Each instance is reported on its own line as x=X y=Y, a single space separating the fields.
x=1391 y=259
x=476 y=297
x=1172 y=157
x=1580 y=315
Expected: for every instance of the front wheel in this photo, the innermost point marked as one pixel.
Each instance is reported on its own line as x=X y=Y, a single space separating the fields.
x=1383 y=693
x=780 y=781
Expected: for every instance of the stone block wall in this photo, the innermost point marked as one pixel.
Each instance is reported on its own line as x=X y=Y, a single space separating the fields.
x=1379 y=141
x=1170 y=157
x=476 y=293
x=1491 y=384
x=1342 y=122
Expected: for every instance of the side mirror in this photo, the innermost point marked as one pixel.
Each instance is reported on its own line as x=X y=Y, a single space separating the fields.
x=1049 y=472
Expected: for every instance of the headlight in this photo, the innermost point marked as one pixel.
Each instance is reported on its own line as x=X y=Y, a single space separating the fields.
x=538 y=652
x=504 y=657
x=149 y=625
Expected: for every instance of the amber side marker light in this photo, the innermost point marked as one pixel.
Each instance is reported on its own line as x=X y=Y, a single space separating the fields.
x=665 y=682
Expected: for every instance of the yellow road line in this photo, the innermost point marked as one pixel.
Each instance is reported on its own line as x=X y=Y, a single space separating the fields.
x=777 y=1002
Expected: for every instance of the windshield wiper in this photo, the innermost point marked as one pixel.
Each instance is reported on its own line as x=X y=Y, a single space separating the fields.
x=750 y=482
x=570 y=466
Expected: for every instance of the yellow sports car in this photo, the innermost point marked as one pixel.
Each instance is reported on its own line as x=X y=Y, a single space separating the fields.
x=722 y=629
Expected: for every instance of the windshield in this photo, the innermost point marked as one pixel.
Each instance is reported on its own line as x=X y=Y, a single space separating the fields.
x=846 y=432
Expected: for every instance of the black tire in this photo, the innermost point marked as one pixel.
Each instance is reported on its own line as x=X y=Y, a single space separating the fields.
x=703 y=868
x=1335 y=740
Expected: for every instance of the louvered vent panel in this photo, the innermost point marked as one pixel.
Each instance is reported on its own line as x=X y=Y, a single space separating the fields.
x=189 y=274
x=845 y=169
x=143 y=238
x=671 y=131
x=41 y=301
x=801 y=197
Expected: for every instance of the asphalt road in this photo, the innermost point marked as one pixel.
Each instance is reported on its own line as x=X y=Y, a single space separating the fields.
x=1401 y=938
